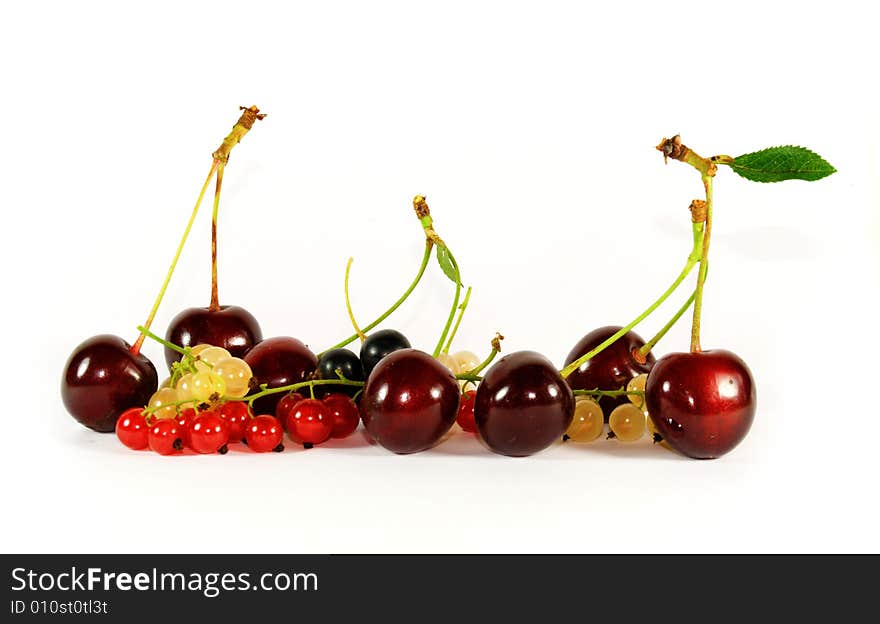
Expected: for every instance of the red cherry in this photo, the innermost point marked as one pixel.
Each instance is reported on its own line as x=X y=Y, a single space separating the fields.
x=279 y=361
x=208 y=433
x=465 y=418
x=410 y=401
x=263 y=434
x=523 y=405
x=344 y=414
x=103 y=378
x=609 y=370
x=231 y=327
x=286 y=405
x=165 y=436
x=132 y=429
x=237 y=417
x=703 y=404
x=309 y=423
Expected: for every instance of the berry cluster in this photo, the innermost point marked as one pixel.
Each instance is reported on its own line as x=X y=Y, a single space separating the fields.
x=228 y=384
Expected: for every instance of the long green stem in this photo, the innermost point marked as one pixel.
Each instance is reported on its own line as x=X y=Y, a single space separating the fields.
x=646 y=349
x=147 y=333
x=215 y=299
x=429 y=245
x=568 y=370
x=455 y=300
x=136 y=347
x=354 y=324
x=608 y=393
x=704 y=267
x=461 y=310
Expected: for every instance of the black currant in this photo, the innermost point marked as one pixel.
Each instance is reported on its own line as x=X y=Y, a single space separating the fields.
x=344 y=361
x=378 y=345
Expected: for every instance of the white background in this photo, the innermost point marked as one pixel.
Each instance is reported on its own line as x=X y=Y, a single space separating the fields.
x=531 y=129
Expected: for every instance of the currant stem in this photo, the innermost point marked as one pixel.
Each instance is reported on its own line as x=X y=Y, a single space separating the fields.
x=609 y=393
x=455 y=300
x=568 y=370
x=648 y=346
x=482 y=365
x=461 y=310
x=136 y=347
x=354 y=324
x=146 y=332
x=704 y=267
x=215 y=299
x=293 y=388
x=425 y=258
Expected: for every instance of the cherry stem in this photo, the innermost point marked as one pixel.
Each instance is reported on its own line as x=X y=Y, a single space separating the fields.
x=425 y=258
x=354 y=324
x=648 y=346
x=136 y=347
x=455 y=301
x=215 y=299
x=704 y=267
x=568 y=370
x=461 y=310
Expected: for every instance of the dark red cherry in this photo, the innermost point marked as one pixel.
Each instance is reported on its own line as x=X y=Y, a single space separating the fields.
x=344 y=413
x=231 y=327
x=378 y=345
x=279 y=361
x=611 y=369
x=703 y=404
x=344 y=361
x=523 y=405
x=409 y=402
x=103 y=378
x=263 y=434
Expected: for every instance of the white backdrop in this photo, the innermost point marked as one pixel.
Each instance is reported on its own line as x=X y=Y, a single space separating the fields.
x=531 y=129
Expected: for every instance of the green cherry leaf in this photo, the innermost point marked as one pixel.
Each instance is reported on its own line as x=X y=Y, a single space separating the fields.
x=447 y=263
x=776 y=164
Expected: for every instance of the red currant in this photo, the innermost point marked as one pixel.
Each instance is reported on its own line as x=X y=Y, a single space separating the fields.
x=165 y=436
x=343 y=413
x=309 y=423
x=184 y=419
x=131 y=428
x=236 y=415
x=208 y=433
x=264 y=434
x=286 y=405
x=465 y=418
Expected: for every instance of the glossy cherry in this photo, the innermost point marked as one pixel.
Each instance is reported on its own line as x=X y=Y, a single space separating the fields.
x=310 y=422
x=132 y=429
x=263 y=434
x=347 y=363
x=410 y=401
x=231 y=327
x=378 y=345
x=523 y=405
x=703 y=404
x=165 y=436
x=344 y=413
x=465 y=417
x=612 y=368
x=103 y=378
x=208 y=433
x=279 y=361
x=237 y=417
